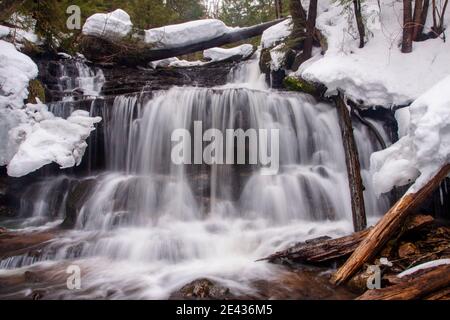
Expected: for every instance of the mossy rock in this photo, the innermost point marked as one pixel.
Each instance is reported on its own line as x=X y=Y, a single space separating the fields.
x=36 y=90
x=299 y=84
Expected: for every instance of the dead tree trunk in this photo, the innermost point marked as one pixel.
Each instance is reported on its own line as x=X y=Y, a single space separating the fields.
x=407 y=27
x=359 y=22
x=310 y=30
x=387 y=227
x=353 y=165
x=429 y=281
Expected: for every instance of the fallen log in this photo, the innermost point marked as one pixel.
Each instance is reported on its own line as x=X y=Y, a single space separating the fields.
x=414 y=287
x=324 y=249
x=320 y=250
x=353 y=165
x=139 y=53
x=386 y=228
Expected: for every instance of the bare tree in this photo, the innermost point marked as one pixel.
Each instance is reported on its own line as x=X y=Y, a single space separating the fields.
x=310 y=30
x=438 y=16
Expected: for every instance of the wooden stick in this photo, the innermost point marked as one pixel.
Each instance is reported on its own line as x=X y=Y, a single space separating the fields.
x=386 y=228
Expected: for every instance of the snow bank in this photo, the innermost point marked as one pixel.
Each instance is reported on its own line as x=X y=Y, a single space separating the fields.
x=219 y=54
x=378 y=74
x=31 y=136
x=424 y=150
x=183 y=34
x=116 y=24
x=423 y=266
x=276 y=33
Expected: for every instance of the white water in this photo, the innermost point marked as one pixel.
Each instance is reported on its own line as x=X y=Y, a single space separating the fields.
x=148 y=227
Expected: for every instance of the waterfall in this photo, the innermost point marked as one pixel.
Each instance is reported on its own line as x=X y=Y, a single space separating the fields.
x=145 y=226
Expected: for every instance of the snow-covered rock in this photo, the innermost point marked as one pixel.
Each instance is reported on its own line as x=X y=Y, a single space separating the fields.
x=49 y=139
x=31 y=136
x=378 y=74
x=276 y=33
x=183 y=34
x=113 y=25
x=424 y=150
x=219 y=54
x=174 y=62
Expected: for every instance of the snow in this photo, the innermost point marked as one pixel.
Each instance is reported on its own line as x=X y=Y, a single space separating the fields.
x=424 y=150
x=183 y=34
x=423 y=266
x=113 y=25
x=378 y=74
x=219 y=54
x=275 y=34
x=277 y=57
x=31 y=136
x=50 y=139
x=174 y=62
x=16 y=70
x=4 y=31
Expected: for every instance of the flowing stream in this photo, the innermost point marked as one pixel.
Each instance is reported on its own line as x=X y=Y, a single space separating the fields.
x=144 y=227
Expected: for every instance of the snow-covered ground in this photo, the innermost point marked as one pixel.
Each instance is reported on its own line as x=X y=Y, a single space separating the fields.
x=113 y=25
x=31 y=136
x=378 y=74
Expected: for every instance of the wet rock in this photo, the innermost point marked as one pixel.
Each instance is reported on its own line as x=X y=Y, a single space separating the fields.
x=76 y=198
x=31 y=277
x=37 y=294
x=204 y=289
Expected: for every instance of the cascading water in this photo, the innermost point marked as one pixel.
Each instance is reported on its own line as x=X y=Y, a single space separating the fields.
x=145 y=227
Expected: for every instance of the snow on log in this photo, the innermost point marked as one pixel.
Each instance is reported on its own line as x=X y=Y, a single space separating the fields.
x=183 y=34
x=141 y=53
x=114 y=25
x=220 y=54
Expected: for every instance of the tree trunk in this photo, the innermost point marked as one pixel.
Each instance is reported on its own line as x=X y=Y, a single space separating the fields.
x=279 y=9
x=417 y=17
x=407 y=27
x=423 y=19
x=387 y=227
x=299 y=17
x=359 y=22
x=414 y=287
x=310 y=30
x=353 y=166
x=98 y=49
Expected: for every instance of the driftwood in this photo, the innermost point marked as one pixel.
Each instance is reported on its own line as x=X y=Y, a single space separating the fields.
x=353 y=165
x=139 y=53
x=413 y=287
x=386 y=228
